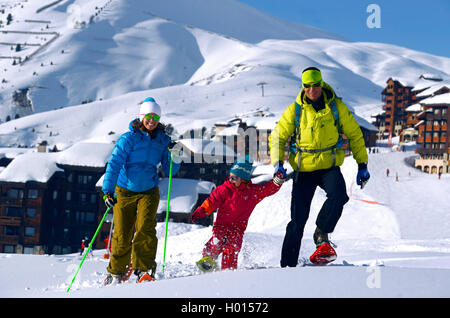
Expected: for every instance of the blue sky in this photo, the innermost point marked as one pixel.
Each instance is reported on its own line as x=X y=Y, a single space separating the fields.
x=415 y=24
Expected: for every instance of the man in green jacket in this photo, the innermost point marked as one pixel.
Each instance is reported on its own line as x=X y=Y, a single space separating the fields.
x=315 y=122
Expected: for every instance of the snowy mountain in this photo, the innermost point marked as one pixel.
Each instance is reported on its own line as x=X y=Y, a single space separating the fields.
x=204 y=54
x=202 y=61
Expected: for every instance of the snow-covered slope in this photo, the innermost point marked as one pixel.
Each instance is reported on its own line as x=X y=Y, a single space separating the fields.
x=403 y=243
x=99 y=49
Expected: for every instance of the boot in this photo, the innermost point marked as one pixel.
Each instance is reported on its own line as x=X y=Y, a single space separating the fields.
x=320 y=237
x=206 y=264
x=144 y=276
x=112 y=279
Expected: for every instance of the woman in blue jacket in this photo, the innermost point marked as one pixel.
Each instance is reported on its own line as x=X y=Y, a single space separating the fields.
x=132 y=174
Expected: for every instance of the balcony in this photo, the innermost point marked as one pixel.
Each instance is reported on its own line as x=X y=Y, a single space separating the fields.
x=11 y=201
x=10 y=220
x=9 y=239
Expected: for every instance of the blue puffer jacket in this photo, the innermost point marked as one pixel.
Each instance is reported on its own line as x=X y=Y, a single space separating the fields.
x=135 y=158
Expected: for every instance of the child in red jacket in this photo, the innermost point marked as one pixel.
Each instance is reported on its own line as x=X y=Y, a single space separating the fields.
x=236 y=199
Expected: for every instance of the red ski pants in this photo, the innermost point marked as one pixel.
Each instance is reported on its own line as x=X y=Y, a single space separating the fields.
x=226 y=239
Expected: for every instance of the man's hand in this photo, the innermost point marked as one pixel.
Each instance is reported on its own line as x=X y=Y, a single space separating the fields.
x=363 y=175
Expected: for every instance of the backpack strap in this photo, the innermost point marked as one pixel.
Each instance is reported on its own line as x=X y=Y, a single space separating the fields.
x=296 y=135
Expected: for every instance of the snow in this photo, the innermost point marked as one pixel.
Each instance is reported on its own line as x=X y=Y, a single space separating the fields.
x=31 y=166
x=438 y=99
x=203 y=68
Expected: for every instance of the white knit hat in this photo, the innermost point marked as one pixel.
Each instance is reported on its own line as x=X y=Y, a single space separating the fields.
x=149 y=106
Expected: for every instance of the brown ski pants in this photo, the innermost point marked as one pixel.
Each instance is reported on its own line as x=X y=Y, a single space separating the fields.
x=134 y=231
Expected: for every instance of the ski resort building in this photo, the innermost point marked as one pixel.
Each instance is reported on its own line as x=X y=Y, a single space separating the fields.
x=50 y=201
x=434 y=134
x=402 y=104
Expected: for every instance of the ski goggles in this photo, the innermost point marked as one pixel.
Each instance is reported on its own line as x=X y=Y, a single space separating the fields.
x=154 y=117
x=318 y=84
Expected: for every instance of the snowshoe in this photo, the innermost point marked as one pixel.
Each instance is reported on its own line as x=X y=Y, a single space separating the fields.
x=324 y=254
x=127 y=275
x=113 y=279
x=206 y=264
x=144 y=277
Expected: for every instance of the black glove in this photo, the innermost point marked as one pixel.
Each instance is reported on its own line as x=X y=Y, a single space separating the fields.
x=110 y=200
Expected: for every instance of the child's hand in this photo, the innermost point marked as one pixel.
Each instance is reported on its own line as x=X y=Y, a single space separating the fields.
x=199 y=213
x=279 y=178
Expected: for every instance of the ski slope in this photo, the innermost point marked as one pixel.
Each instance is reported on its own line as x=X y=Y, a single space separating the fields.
x=398 y=248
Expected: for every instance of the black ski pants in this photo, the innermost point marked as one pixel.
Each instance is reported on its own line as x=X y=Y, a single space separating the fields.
x=332 y=182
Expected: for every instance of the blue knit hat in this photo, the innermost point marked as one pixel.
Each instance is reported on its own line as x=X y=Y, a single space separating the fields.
x=243 y=170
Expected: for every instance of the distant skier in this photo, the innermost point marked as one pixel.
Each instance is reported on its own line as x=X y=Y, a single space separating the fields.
x=82 y=247
x=387 y=172
x=315 y=121
x=132 y=173
x=236 y=199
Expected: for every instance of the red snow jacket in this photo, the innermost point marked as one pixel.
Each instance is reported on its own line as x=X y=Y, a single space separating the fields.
x=237 y=204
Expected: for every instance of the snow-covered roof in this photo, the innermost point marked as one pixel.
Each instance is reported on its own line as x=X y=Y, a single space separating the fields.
x=183 y=193
x=419 y=123
x=207 y=147
x=438 y=99
x=414 y=108
x=40 y=166
x=14 y=152
x=364 y=123
x=31 y=166
x=432 y=89
x=86 y=154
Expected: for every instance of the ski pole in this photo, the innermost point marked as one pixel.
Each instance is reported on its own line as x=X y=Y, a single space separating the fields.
x=109 y=240
x=90 y=245
x=167 y=212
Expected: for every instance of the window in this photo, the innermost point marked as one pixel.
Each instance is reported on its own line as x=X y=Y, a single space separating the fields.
x=90 y=217
x=30 y=231
x=9 y=249
x=93 y=198
x=31 y=212
x=437 y=111
x=28 y=250
x=55 y=195
x=67 y=215
x=15 y=193
x=84 y=179
x=10 y=230
x=33 y=193
x=13 y=211
x=68 y=196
